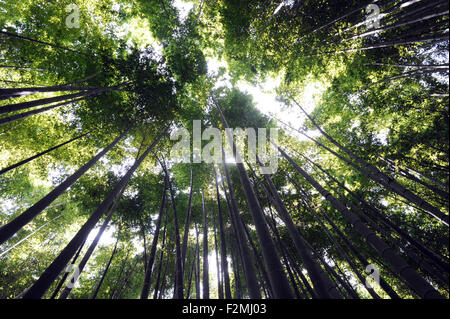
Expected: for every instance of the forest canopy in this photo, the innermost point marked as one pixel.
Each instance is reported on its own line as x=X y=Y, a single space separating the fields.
x=95 y=95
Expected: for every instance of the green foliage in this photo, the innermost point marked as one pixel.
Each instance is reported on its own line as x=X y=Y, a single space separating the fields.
x=388 y=105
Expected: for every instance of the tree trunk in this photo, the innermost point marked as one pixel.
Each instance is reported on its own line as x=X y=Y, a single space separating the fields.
x=322 y=284
x=161 y=254
x=299 y=273
x=431 y=39
x=97 y=287
x=278 y=280
x=58 y=264
x=67 y=290
x=66 y=274
x=282 y=249
x=259 y=262
x=26 y=105
x=126 y=280
x=178 y=291
x=90 y=76
x=216 y=249
x=148 y=273
x=16 y=224
x=337 y=19
x=410 y=253
x=343 y=253
x=6 y=169
x=223 y=245
x=27 y=236
x=191 y=273
x=379 y=216
x=406 y=174
x=164 y=279
x=144 y=239
x=18 y=36
x=396 y=25
x=205 y=251
x=351 y=293
x=186 y=224
x=17 y=92
x=16 y=117
x=421 y=286
x=9 y=128
x=250 y=276
x=197 y=266
x=116 y=284
x=386 y=287
x=237 y=277
x=423 y=66
x=374 y=173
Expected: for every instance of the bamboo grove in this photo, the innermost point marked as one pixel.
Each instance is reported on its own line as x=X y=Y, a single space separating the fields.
x=87 y=178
